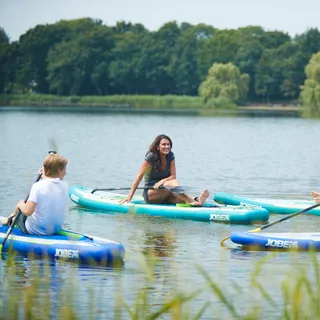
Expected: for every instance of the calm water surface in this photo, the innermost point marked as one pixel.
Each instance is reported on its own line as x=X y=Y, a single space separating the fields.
x=260 y=157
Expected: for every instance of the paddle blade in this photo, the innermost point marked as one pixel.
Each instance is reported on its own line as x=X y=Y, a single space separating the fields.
x=53 y=145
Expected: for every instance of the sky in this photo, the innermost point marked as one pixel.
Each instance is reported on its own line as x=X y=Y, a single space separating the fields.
x=291 y=16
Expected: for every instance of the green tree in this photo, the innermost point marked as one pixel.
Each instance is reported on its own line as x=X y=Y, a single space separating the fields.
x=4 y=38
x=273 y=39
x=155 y=64
x=309 y=42
x=269 y=76
x=34 y=46
x=279 y=73
x=225 y=81
x=292 y=69
x=80 y=66
x=310 y=93
x=247 y=59
x=36 y=43
x=221 y=47
x=203 y=33
x=6 y=62
x=184 y=64
x=125 y=73
x=165 y=48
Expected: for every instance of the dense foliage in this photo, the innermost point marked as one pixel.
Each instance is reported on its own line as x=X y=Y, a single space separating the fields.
x=311 y=90
x=85 y=57
x=225 y=81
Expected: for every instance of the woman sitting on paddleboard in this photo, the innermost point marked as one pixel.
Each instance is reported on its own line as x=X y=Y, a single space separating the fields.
x=159 y=169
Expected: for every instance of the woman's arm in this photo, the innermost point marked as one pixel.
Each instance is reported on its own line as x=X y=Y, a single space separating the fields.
x=171 y=177
x=143 y=170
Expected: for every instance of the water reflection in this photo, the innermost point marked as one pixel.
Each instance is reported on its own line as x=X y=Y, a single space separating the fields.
x=159 y=244
x=54 y=283
x=25 y=262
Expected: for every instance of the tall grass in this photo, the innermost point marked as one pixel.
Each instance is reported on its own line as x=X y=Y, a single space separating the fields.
x=299 y=290
x=116 y=101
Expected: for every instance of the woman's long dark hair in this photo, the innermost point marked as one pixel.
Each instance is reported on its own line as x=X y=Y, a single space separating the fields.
x=155 y=151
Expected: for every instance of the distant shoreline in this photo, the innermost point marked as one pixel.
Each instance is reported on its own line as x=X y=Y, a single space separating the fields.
x=276 y=107
x=135 y=104
x=271 y=111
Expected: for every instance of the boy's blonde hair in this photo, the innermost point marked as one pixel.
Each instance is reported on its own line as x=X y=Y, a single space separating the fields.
x=52 y=163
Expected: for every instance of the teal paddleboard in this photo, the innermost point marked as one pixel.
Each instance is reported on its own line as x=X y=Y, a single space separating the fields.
x=109 y=202
x=279 y=206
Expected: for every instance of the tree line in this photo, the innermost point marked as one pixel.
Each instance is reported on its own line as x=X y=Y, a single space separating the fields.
x=86 y=57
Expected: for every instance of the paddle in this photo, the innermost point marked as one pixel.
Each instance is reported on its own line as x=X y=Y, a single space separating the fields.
x=175 y=189
x=276 y=222
x=19 y=213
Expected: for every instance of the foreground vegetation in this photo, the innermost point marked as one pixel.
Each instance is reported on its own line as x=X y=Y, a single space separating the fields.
x=298 y=295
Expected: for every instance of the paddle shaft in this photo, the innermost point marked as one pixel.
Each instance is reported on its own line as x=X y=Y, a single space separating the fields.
x=285 y=218
x=176 y=189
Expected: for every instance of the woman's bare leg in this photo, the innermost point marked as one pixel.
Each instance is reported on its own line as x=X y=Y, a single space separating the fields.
x=202 y=198
x=158 y=196
x=166 y=196
x=172 y=183
x=184 y=198
x=177 y=197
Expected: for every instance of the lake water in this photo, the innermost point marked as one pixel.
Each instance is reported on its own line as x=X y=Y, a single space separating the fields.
x=257 y=157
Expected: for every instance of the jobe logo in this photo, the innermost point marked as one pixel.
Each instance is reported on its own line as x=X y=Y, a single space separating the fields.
x=64 y=253
x=74 y=198
x=281 y=244
x=249 y=205
x=219 y=217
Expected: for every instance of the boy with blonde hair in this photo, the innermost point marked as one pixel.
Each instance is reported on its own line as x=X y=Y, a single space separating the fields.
x=44 y=211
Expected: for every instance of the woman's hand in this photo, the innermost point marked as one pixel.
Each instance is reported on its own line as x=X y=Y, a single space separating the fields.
x=158 y=185
x=126 y=200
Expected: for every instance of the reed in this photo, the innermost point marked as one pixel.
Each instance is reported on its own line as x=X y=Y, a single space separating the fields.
x=117 y=101
x=298 y=294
